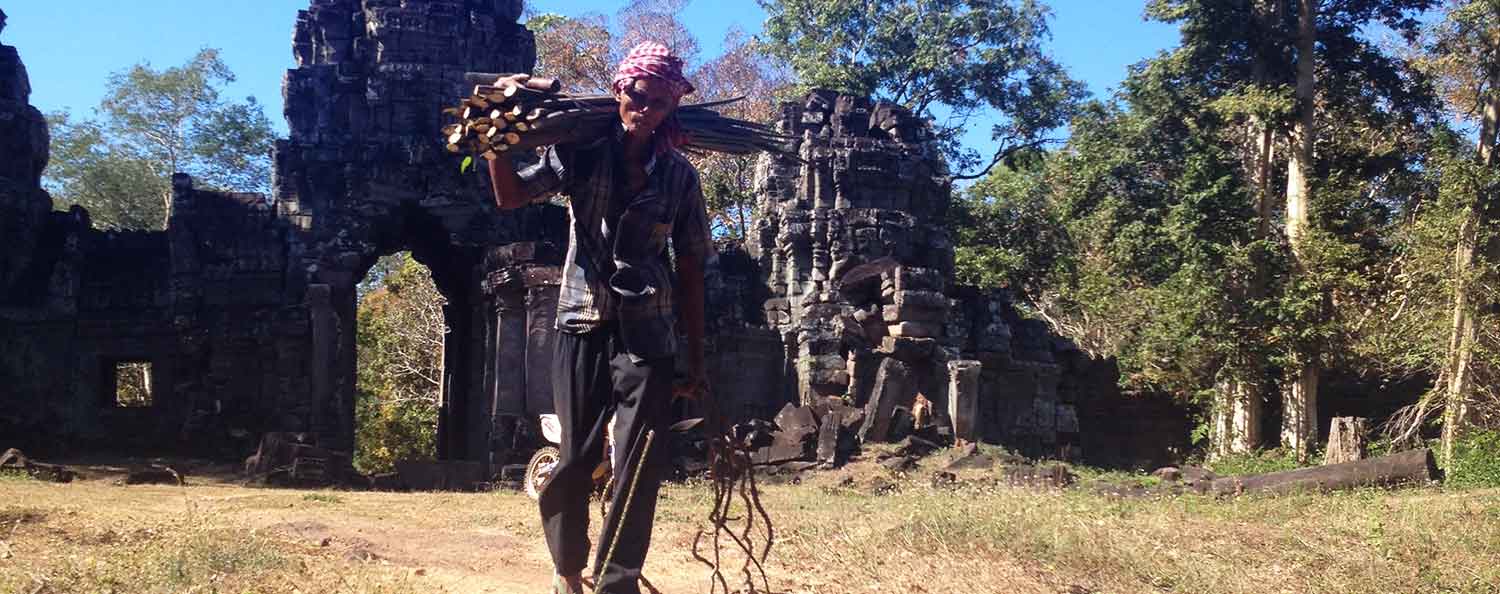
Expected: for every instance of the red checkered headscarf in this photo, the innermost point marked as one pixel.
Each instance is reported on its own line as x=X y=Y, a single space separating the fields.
x=654 y=60
x=650 y=59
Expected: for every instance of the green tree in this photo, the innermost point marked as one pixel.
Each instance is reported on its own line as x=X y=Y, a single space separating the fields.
x=153 y=123
x=1007 y=231
x=1162 y=236
x=399 y=342
x=1462 y=55
x=950 y=60
x=1331 y=156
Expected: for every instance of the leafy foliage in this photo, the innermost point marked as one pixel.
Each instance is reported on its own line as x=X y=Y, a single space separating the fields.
x=1476 y=461
x=400 y=332
x=951 y=60
x=153 y=123
x=1256 y=462
x=1007 y=231
x=1161 y=238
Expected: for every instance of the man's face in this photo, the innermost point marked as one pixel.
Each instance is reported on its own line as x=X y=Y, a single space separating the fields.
x=645 y=103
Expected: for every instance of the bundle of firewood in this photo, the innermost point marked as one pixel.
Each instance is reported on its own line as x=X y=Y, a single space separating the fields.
x=497 y=119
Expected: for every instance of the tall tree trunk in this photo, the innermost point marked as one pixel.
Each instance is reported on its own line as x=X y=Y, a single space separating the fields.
x=1464 y=332
x=1238 y=402
x=1299 y=430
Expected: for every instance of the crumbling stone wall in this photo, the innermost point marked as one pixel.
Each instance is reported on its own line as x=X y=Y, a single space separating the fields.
x=245 y=305
x=853 y=249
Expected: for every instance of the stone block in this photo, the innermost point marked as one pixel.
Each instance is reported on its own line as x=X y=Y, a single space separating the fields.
x=796 y=423
x=911 y=278
x=1067 y=418
x=920 y=299
x=785 y=448
x=902 y=424
x=828 y=437
x=963 y=398
x=913 y=313
x=914 y=446
x=894 y=386
x=916 y=330
x=442 y=475
x=906 y=348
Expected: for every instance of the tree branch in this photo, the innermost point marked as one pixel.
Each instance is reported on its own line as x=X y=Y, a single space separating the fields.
x=1001 y=155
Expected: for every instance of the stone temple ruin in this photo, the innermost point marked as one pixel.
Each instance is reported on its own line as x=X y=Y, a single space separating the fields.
x=244 y=307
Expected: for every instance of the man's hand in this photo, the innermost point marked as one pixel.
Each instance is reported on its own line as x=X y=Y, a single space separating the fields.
x=503 y=179
x=513 y=79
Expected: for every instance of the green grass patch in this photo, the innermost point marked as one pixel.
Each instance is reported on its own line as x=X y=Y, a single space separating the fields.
x=1257 y=462
x=14 y=474
x=1090 y=474
x=323 y=498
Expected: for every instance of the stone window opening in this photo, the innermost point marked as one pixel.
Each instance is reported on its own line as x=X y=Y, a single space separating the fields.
x=133 y=384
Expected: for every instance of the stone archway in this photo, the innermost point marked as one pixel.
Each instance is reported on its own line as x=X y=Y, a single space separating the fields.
x=362 y=175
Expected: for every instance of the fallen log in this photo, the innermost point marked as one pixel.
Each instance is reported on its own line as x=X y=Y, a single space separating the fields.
x=1413 y=466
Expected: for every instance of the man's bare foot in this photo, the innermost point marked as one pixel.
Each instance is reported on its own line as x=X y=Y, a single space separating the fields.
x=568 y=584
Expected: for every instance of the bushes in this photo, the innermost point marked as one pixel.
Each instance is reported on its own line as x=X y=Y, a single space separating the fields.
x=1257 y=462
x=1476 y=460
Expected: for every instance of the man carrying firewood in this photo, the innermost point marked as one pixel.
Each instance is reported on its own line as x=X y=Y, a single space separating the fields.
x=618 y=311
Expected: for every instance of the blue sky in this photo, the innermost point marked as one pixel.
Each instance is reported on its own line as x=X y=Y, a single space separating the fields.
x=71 y=47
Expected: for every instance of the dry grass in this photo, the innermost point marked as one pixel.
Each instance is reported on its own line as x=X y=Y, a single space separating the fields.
x=835 y=535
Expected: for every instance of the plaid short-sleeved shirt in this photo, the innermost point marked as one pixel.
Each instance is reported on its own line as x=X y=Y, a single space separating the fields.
x=609 y=230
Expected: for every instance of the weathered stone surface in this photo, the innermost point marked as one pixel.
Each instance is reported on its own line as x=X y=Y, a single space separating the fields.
x=899 y=463
x=916 y=330
x=903 y=423
x=894 y=385
x=913 y=313
x=796 y=437
x=828 y=437
x=782 y=450
x=796 y=423
x=963 y=398
x=907 y=349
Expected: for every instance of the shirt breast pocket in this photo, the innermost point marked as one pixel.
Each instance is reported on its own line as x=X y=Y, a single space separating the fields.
x=643 y=230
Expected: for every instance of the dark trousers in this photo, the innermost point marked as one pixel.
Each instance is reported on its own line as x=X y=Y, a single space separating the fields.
x=592 y=378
